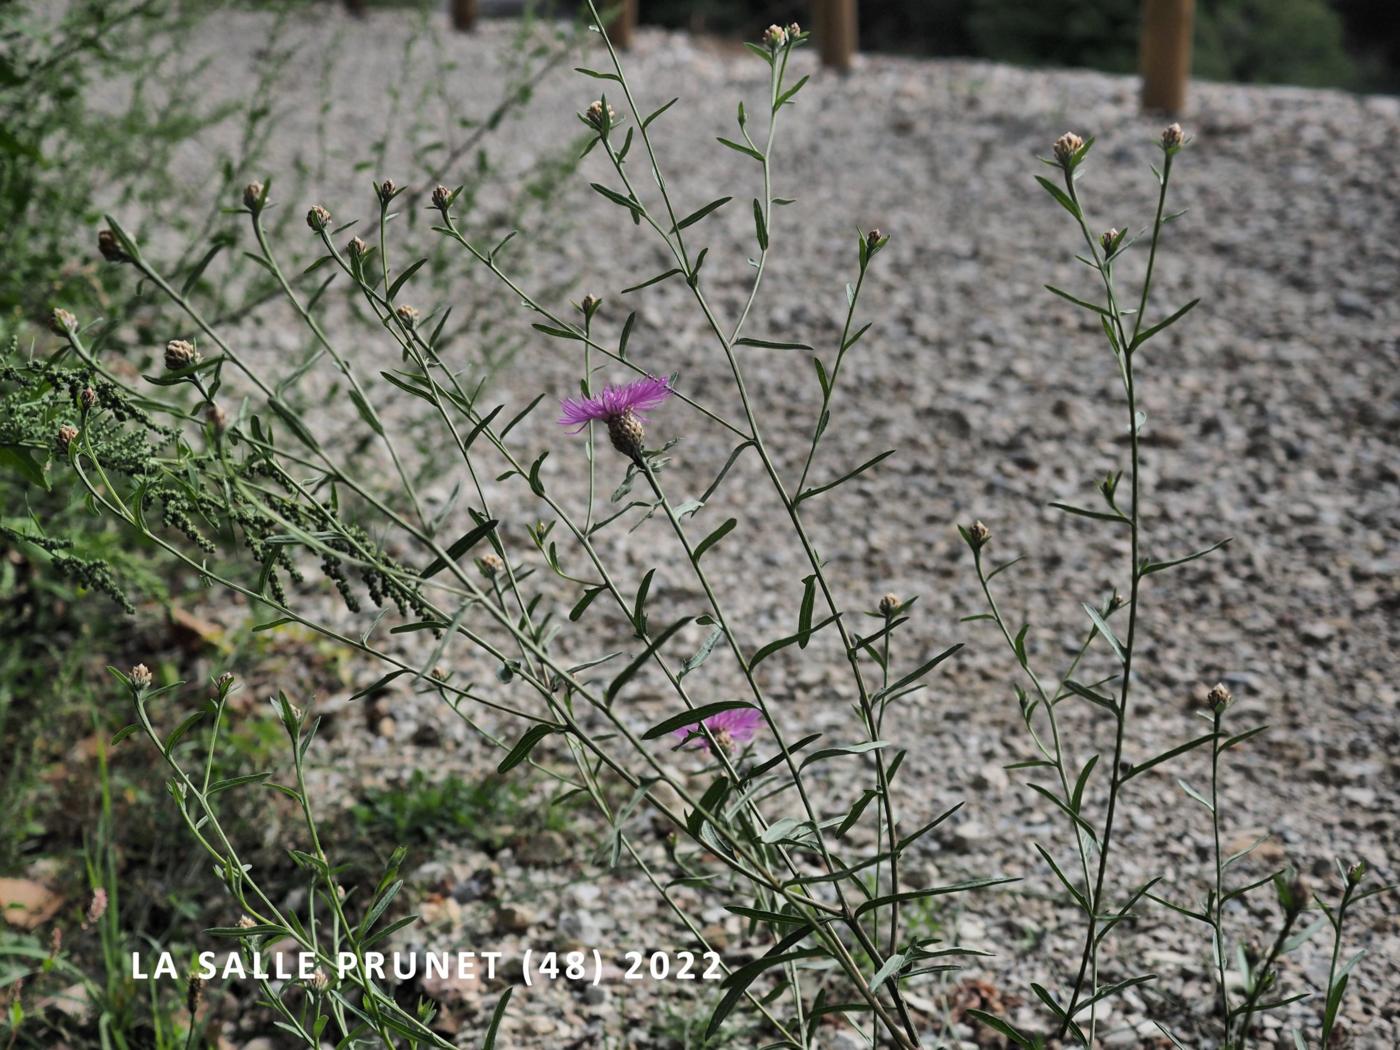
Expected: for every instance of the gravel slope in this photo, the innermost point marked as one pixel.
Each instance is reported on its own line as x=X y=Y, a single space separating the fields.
x=1272 y=418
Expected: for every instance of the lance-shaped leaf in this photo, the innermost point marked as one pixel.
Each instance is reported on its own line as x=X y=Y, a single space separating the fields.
x=817 y=490
x=1148 y=333
x=714 y=537
x=739 y=980
x=692 y=718
x=631 y=669
x=461 y=546
x=700 y=213
x=1149 y=567
x=1106 y=631
x=527 y=742
x=916 y=674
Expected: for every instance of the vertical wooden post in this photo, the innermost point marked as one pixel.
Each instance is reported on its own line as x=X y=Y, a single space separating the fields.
x=623 y=23
x=463 y=15
x=836 y=32
x=1166 y=53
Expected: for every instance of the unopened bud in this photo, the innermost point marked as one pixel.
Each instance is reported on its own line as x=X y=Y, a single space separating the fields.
x=1356 y=873
x=889 y=604
x=97 y=907
x=407 y=315
x=357 y=248
x=1117 y=601
x=67 y=434
x=1107 y=240
x=254 y=195
x=599 y=116
x=61 y=322
x=110 y=248
x=1219 y=697
x=794 y=31
x=590 y=304
x=141 y=676
x=224 y=681
x=978 y=535
x=442 y=198
x=193 y=994
x=490 y=565
x=217 y=418
x=385 y=191
x=320 y=980
x=774 y=37
x=1172 y=137
x=318 y=218
x=180 y=353
x=1066 y=146
x=88 y=398
x=245 y=922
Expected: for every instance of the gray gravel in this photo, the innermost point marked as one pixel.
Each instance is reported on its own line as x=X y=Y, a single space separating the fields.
x=1272 y=414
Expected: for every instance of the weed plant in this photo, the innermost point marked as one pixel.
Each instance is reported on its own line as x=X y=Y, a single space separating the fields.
x=213 y=464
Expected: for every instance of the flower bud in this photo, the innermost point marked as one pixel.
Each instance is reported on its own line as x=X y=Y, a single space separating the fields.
x=1117 y=601
x=490 y=565
x=889 y=605
x=245 y=922
x=110 y=248
x=61 y=322
x=1172 y=137
x=254 y=196
x=318 y=218
x=97 y=907
x=590 y=305
x=67 y=434
x=88 y=398
x=774 y=37
x=141 y=676
x=385 y=191
x=357 y=248
x=1219 y=698
x=1107 y=240
x=180 y=354
x=1066 y=146
x=794 y=31
x=978 y=535
x=1356 y=873
x=407 y=315
x=223 y=682
x=217 y=418
x=599 y=116
x=319 y=980
x=442 y=198
x=193 y=994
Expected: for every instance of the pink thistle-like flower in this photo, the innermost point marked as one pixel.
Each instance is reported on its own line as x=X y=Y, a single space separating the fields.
x=728 y=727
x=622 y=408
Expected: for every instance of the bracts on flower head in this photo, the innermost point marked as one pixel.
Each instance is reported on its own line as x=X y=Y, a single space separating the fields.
x=1066 y=146
x=180 y=353
x=622 y=408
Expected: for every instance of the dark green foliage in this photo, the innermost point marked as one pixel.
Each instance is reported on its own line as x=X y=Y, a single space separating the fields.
x=1253 y=41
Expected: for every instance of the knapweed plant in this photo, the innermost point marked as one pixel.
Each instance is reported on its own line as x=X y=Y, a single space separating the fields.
x=503 y=596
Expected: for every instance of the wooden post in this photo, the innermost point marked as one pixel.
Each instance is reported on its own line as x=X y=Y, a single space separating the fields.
x=463 y=15
x=623 y=23
x=836 y=32
x=1166 y=53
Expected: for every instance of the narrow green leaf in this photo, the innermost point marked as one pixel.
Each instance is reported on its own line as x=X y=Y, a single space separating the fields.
x=461 y=546
x=700 y=213
x=527 y=742
x=714 y=537
x=692 y=718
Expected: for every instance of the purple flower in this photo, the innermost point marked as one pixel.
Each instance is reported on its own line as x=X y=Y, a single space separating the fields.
x=727 y=727
x=637 y=397
x=622 y=408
